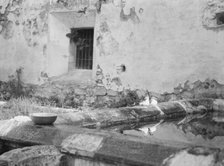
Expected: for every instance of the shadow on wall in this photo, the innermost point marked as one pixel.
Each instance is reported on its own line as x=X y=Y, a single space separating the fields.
x=131 y=16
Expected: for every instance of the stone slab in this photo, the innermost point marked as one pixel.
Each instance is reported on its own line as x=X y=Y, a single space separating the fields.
x=35 y=155
x=92 y=143
x=82 y=144
x=133 y=153
x=171 y=108
x=91 y=116
x=48 y=135
x=102 y=146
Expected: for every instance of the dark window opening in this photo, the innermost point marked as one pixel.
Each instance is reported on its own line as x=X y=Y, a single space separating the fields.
x=83 y=40
x=220 y=18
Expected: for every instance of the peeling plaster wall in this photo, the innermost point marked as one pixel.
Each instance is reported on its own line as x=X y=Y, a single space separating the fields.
x=33 y=36
x=161 y=43
x=23 y=38
x=150 y=44
x=60 y=23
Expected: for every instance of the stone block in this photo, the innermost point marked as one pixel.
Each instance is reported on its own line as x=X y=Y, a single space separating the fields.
x=171 y=108
x=193 y=157
x=82 y=144
x=7 y=126
x=34 y=155
x=112 y=93
x=100 y=91
x=129 y=152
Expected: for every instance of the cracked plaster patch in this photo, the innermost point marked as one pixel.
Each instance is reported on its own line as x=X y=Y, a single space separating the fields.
x=213 y=7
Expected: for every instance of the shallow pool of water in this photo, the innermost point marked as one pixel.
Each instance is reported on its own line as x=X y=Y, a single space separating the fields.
x=202 y=130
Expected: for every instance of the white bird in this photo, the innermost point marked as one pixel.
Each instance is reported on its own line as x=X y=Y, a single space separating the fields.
x=145 y=130
x=146 y=102
x=154 y=102
x=150 y=130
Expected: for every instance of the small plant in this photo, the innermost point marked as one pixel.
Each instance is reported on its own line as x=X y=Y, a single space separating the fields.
x=16 y=84
x=77 y=37
x=21 y=105
x=127 y=98
x=14 y=87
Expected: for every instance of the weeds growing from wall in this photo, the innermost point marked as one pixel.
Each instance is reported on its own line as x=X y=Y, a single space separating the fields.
x=127 y=98
x=15 y=87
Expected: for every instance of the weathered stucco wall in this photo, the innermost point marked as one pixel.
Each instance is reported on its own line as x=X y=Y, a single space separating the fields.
x=33 y=36
x=23 y=38
x=60 y=23
x=151 y=44
x=161 y=43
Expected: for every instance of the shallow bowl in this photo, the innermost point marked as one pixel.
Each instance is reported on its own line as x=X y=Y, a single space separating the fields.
x=43 y=118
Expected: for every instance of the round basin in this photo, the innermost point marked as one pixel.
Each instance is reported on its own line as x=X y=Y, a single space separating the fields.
x=43 y=118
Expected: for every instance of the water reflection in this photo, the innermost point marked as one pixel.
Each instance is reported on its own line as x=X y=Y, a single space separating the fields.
x=202 y=129
x=150 y=130
x=209 y=126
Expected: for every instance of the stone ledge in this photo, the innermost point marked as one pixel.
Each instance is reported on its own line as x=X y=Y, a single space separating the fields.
x=96 y=147
x=133 y=153
x=172 y=109
x=119 y=149
x=113 y=150
x=108 y=146
x=126 y=150
x=109 y=117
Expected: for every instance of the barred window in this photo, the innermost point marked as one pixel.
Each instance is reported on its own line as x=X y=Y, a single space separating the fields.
x=83 y=39
x=220 y=18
